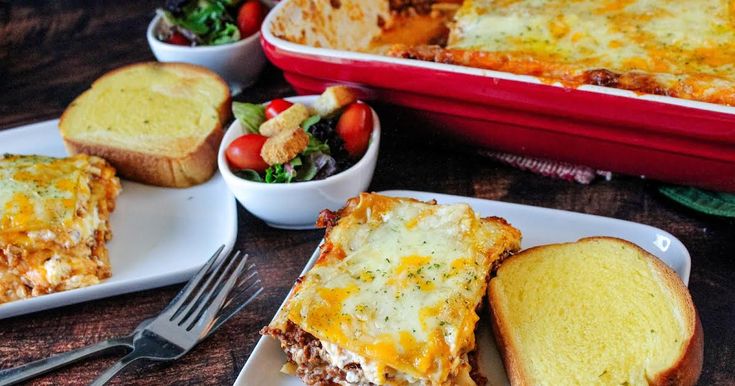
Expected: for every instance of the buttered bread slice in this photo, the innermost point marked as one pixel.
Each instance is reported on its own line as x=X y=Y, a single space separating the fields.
x=601 y=311
x=157 y=123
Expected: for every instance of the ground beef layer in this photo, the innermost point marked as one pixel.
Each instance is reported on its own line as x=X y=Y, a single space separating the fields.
x=306 y=353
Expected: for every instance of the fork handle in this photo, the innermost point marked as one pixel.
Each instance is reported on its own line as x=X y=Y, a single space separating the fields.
x=116 y=368
x=41 y=366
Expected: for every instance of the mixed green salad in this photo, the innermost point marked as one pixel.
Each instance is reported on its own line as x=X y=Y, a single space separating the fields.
x=314 y=162
x=209 y=22
x=304 y=148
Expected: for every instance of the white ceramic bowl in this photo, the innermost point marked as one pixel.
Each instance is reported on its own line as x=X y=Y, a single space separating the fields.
x=297 y=205
x=238 y=63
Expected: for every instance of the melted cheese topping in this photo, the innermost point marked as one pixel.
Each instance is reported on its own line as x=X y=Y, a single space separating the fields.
x=53 y=223
x=397 y=284
x=686 y=46
x=40 y=192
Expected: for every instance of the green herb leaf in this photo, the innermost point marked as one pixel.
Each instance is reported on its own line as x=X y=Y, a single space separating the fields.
x=209 y=22
x=316 y=166
x=193 y=25
x=304 y=167
x=278 y=174
x=248 y=174
x=250 y=115
x=296 y=162
x=228 y=34
x=309 y=122
x=307 y=172
x=315 y=146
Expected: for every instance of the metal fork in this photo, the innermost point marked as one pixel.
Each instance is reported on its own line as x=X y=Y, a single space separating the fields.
x=189 y=318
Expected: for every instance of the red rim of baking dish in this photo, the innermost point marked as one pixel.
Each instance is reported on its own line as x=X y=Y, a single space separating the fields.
x=668 y=138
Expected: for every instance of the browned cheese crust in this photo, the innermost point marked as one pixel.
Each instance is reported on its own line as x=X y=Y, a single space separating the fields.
x=632 y=81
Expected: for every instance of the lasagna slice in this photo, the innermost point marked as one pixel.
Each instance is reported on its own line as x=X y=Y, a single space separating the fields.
x=393 y=296
x=53 y=223
x=679 y=48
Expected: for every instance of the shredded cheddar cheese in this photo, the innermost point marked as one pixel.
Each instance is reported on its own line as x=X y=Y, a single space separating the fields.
x=683 y=48
x=53 y=223
x=405 y=292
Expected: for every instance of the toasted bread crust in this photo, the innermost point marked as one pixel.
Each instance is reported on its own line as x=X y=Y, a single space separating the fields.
x=194 y=168
x=684 y=372
x=689 y=366
x=513 y=368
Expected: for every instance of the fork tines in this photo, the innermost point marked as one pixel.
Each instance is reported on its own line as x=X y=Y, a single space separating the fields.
x=202 y=299
x=248 y=287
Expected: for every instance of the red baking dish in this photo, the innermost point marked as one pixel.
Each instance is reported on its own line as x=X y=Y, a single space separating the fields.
x=669 y=139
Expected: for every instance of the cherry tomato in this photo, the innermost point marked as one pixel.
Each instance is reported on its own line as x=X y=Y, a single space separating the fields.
x=354 y=127
x=276 y=107
x=250 y=17
x=178 y=39
x=244 y=153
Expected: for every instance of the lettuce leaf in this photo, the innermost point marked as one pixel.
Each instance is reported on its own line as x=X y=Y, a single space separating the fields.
x=326 y=165
x=208 y=22
x=315 y=146
x=250 y=115
x=227 y=34
x=248 y=174
x=309 y=122
x=316 y=166
x=283 y=173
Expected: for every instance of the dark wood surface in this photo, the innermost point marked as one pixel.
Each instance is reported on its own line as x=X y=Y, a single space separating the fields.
x=51 y=51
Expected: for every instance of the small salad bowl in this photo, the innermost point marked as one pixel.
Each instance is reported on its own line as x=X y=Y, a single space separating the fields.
x=238 y=63
x=297 y=205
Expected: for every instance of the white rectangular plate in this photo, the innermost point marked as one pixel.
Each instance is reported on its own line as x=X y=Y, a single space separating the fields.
x=160 y=236
x=539 y=226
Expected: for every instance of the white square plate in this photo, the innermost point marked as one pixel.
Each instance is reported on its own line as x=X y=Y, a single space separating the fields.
x=160 y=236
x=539 y=226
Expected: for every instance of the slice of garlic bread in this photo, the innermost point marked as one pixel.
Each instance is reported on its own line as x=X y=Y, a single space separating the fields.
x=601 y=311
x=157 y=123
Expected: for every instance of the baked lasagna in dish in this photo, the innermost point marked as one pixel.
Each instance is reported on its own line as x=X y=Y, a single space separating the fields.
x=393 y=297
x=54 y=223
x=678 y=48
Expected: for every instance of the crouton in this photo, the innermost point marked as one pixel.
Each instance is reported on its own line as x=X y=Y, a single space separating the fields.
x=284 y=146
x=333 y=99
x=288 y=119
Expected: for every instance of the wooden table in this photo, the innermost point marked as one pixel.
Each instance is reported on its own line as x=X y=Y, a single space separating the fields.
x=50 y=52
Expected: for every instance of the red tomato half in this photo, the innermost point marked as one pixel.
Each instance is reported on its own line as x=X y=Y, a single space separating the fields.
x=244 y=153
x=354 y=127
x=276 y=107
x=250 y=17
x=178 y=39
